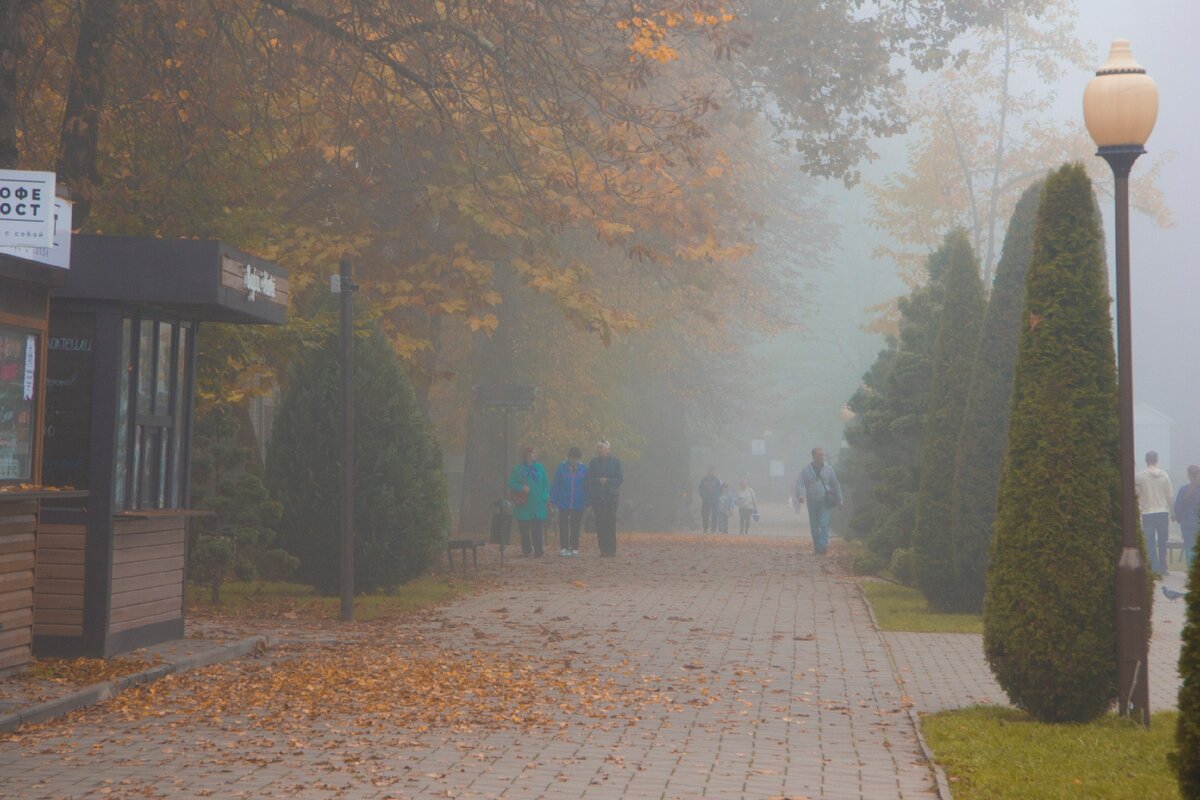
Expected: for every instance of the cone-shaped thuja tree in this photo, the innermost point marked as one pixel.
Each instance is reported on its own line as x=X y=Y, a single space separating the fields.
x=1186 y=759
x=953 y=356
x=1049 y=630
x=400 y=509
x=985 y=419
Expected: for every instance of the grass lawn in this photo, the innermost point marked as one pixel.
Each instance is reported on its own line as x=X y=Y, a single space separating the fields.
x=1002 y=754
x=902 y=608
x=295 y=600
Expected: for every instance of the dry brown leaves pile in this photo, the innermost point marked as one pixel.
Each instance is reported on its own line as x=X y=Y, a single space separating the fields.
x=84 y=671
x=379 y=688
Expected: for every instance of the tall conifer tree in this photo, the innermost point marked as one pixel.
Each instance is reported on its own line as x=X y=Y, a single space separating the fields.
x=1049 y=629
x=953 y=355
x=985 y=419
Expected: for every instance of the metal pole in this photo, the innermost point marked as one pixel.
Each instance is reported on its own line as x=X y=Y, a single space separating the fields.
x=1132 y=623
x=347 y=532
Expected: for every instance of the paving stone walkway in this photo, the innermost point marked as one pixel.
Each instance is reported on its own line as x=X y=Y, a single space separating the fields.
x=780 y=685
x=764 y=673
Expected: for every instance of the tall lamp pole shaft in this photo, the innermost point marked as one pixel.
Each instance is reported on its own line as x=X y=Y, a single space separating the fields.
x=347 y=506
x=1132 y=613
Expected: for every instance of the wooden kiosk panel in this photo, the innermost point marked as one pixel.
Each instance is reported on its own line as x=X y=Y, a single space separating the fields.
x=151 y=589
x=18 y=526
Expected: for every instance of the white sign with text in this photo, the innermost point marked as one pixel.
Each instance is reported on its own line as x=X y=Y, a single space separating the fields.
x=59 y=253
x=26 y=208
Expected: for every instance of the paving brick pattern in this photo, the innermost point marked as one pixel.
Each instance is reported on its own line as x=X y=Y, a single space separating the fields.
x=784 y=690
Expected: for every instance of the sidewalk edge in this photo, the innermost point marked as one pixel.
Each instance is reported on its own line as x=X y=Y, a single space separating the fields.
x=939 y=774
x=99 y=692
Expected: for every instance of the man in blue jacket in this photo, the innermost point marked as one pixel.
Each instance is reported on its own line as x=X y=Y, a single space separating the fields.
x=604 y=480
x=569 y=495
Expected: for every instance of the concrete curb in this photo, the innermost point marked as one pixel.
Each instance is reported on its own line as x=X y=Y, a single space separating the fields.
x=99 y=692
x=939 y=774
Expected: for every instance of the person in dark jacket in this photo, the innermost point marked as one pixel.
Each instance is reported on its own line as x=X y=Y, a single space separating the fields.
x=1187 y=511
x=710 y=492
x=604 y=480
x=568 y=493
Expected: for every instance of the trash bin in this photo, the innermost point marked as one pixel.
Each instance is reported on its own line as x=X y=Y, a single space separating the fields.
x=502 y=522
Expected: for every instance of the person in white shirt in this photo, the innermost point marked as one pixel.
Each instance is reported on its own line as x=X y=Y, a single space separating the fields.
x=1155 y=497
x=747 y=504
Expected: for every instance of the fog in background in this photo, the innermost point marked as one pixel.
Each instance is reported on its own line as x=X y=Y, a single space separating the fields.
x=798 y=384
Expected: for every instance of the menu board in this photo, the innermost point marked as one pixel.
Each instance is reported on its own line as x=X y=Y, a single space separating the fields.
x=18 y=372
x=68 y=400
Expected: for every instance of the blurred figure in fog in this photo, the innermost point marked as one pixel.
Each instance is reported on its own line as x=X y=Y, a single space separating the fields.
x=725 y=504
x=604 y=481
x=747 y=504
x=710 y=491
x=568 y=493
x=1187 y=511
x=818 y=487
x=1154 y=495
x=528 y=480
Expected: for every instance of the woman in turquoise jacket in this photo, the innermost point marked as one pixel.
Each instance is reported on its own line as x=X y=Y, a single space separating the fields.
x=530 y=492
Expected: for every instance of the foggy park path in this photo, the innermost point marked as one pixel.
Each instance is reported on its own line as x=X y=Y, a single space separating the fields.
x=722 y=666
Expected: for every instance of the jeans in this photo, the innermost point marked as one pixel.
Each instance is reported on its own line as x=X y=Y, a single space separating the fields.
x=708 y=513
x=818 y=520
x=531 y=535
x=569 y=523
x=722 y=521
x=745 y=514
x=1155 y=527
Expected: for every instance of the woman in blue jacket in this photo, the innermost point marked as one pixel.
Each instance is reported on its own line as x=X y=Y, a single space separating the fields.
x=569 y=495
x=531 y=496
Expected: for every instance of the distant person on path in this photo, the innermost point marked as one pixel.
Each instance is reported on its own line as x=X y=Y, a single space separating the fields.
x=530 y=493
x=725 y=504
x=1154 y=495
x=747 y=505
x=604 y=480
x=569 y=495
x=710 y=492
x=1187 y=511
x=818 y=487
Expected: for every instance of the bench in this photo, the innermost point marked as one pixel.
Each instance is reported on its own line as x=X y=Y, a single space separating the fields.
x=463 y=545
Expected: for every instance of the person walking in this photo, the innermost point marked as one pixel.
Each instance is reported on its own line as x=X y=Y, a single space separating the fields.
x=710 y=492
x=568 y=493
x=725 y=504
x=530 y=493
x=604 y=480
x=1154 y=495
x=747 y=506
x=1187 y=511
x=818 y=487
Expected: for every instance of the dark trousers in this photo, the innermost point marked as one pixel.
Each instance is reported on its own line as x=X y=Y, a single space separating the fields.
x=708 y=513
x=745 y=515
x=532 y=531
x=569 y=523
x=1155 y=527
x=722 y=521
x=606 y=527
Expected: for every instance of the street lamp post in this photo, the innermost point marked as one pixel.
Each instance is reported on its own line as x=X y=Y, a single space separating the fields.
x=1120 y=106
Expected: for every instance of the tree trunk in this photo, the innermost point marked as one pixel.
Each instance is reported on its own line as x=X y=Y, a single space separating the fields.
x=11 y=12
x=80 y=134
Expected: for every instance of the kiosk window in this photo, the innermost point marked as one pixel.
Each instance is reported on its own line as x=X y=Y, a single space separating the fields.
x=18 y=371
x=152 y=414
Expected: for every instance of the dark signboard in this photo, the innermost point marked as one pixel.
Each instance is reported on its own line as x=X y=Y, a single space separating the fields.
x=68 y=400
x=505 y=395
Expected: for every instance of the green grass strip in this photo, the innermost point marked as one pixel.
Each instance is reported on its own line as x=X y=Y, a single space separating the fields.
x=902 y=608
x=992 y=753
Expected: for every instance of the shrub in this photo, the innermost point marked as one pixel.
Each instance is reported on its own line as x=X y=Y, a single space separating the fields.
x=953 y=355
x=1186 y=760
x=903 y=566
x=400 y=509
x=985 y=418
x=1049 y=629
x=866 y=564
